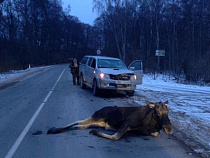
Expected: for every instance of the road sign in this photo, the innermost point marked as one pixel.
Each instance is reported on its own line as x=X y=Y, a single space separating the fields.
x=160 y=53
x=98 y=52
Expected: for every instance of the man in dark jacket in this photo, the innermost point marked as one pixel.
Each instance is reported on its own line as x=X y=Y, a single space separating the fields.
x=74 y=66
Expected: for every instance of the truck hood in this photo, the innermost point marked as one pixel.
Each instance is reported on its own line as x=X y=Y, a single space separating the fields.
x=115 y=71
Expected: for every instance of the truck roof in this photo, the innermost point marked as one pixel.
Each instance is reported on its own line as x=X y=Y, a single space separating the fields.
x=102 y=57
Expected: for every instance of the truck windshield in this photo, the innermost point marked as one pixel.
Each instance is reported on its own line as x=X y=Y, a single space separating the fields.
x=110 y=63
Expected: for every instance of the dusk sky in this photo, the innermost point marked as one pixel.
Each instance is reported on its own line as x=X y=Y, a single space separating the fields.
x=82 y=9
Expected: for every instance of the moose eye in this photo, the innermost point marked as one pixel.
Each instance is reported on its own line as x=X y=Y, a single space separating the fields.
x=157 y=107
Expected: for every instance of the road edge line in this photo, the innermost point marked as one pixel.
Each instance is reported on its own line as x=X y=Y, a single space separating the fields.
x=30 y=123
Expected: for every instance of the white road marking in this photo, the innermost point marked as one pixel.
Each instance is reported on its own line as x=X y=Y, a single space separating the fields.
x=30 y=123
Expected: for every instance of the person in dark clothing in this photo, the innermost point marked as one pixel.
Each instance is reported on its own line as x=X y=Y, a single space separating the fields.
x=74 y=66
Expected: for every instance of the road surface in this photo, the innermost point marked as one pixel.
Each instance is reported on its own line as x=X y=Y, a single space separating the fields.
x=48 y=98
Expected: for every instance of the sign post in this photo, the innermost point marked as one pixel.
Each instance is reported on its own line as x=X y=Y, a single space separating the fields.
x=159 y=53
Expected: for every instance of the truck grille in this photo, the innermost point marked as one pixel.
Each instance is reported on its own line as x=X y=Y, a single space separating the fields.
x=120 y=77
x=119 y=85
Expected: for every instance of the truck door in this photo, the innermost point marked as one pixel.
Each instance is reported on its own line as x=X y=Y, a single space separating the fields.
x=91 y=65
x=137 y=67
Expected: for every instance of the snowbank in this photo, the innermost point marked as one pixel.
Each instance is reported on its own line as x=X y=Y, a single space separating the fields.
x=14 y=76
x=189 y=109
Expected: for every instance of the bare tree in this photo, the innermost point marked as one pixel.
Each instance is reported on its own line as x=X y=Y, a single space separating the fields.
x=115 y=13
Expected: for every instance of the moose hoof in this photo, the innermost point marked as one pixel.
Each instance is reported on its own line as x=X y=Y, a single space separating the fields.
x=52 y=131
x=156 y=134
x=94 y=132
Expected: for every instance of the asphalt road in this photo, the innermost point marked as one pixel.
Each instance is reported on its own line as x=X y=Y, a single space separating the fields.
x=48 y=98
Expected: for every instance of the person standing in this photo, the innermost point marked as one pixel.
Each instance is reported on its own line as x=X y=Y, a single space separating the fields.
x=74 y=65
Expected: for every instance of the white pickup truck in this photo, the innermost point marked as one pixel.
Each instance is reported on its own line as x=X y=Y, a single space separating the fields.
x=107 y=73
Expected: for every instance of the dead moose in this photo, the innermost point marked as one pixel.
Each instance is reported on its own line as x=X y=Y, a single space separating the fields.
x=144 y=120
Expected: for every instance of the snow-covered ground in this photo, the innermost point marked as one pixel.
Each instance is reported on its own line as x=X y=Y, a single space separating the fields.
x=189 y=109
x=17 y=75
x=189 y=106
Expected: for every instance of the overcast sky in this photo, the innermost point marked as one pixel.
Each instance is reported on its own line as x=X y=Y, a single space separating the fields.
x=82 y=9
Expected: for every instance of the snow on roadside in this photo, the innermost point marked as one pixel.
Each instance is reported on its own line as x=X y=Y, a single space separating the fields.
x=13 y=73
x=171 y=83
x=189 y=109
x=11 y=76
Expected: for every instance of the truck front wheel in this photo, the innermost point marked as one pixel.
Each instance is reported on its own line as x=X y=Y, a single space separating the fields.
x=130 y=93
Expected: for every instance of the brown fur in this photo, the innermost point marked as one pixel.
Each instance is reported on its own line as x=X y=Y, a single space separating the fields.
x=144 y=120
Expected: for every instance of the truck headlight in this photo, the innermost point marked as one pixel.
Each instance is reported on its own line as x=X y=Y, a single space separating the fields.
x=104 y=76
x=133 y=77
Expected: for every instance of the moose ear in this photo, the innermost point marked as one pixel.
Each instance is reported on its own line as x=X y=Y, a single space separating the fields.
x=150 y=104
x=166 y=103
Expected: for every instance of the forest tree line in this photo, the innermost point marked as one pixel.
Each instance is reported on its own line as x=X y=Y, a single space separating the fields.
x=41 y=32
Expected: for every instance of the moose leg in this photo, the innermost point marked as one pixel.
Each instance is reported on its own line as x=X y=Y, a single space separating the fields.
x=121 y=131
x=83 y=124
